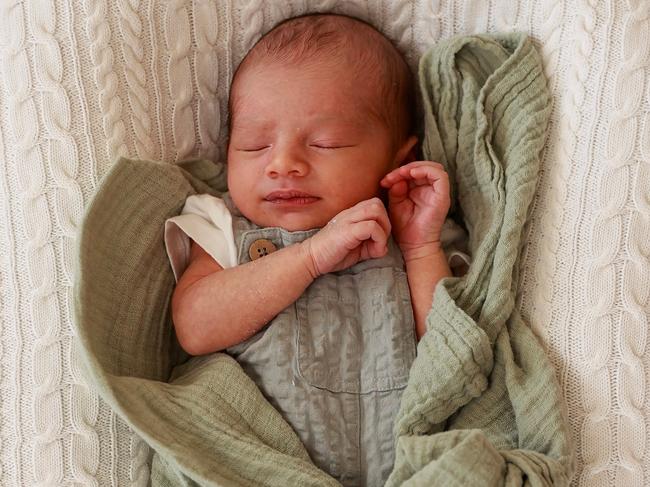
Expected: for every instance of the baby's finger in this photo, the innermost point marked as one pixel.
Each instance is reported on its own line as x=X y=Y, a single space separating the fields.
x=371 y=209
x=415 y=164
x=427 y=171
x=351 y=215
x=404 y=172
x=392 y=177
x=439 y=179
x=373 y=232
x=398 y=192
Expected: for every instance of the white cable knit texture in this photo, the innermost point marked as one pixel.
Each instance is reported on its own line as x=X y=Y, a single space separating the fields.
x=84 y=81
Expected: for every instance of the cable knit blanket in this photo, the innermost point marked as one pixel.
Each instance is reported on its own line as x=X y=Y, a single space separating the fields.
x=482 y=406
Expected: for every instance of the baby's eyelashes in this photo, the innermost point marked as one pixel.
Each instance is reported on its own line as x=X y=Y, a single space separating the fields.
x=254 y=149
x=331 y=146
x=326 y=146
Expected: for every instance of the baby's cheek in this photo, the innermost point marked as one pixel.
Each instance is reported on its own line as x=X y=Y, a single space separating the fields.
x=244 y=201
x=362 y=188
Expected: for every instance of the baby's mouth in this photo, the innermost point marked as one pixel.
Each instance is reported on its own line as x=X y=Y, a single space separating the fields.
x=290 y=197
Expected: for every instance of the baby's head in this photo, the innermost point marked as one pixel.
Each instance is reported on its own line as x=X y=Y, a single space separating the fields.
x=322 y=106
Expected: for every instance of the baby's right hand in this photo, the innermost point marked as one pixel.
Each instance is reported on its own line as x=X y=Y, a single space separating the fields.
x=355 y=234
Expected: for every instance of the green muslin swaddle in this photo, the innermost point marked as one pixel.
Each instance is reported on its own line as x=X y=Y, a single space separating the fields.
x=481 y=407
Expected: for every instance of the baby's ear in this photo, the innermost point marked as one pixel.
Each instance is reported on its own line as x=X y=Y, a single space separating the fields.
x=406 y=152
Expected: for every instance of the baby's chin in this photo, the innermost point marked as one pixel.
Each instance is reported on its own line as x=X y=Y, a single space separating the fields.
x=290 y=221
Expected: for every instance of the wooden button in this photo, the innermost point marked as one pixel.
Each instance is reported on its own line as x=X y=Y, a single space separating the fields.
x=260 y=248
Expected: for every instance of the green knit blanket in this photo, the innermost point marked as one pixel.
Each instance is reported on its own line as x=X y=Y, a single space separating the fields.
x=482 y=406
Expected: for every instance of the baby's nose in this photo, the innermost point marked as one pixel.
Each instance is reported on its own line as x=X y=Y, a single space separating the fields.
x=287 y=163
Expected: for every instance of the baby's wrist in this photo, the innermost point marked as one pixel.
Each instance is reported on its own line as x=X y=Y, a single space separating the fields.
x=307 y=258
x=414 y=252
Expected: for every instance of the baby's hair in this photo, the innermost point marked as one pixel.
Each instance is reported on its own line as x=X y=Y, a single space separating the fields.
x=298 y=39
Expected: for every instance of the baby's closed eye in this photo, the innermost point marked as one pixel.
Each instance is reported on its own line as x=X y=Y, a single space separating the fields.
x=253 y=148
x=331 y=145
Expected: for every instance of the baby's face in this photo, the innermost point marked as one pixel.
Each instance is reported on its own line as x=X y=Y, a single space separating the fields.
x=305 y=145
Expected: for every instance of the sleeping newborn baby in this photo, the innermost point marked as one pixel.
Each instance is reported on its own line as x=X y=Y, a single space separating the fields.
x=316 y=270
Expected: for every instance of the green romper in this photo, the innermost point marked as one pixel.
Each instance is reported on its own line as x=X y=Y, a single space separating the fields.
x=336 y=361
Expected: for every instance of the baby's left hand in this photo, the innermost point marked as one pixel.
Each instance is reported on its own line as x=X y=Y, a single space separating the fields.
x=418 y=203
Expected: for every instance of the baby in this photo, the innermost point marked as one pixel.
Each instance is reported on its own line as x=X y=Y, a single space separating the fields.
x=299 y=271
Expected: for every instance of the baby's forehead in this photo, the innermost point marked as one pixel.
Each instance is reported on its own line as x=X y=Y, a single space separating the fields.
x=343 y=123
x=377 y=70
x=261 y=104
x=365 y=84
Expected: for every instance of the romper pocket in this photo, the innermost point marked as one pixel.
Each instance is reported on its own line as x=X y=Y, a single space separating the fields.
x=356 y=332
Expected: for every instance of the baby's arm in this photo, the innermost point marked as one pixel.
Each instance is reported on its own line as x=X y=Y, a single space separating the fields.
x=424 y=269
x=214 y=308
x=418 y=198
